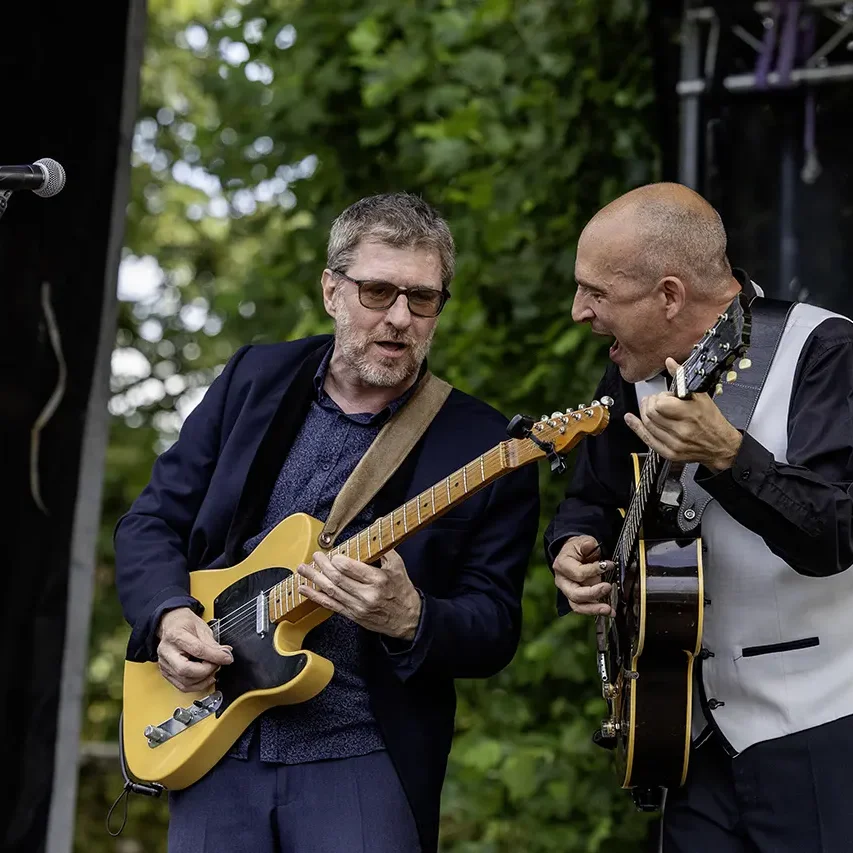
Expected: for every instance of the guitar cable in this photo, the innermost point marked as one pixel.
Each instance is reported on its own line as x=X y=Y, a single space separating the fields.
x=130 y=787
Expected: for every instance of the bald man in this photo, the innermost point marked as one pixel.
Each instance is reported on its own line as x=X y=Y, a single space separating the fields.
x=772 y=761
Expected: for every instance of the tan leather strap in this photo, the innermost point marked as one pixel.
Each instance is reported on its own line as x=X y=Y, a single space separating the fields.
x=389 y=449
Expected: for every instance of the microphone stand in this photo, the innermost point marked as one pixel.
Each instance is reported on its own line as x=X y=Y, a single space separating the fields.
x=5 y=195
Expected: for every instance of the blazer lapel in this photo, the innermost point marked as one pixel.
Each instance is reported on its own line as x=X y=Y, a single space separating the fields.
x=272 y=451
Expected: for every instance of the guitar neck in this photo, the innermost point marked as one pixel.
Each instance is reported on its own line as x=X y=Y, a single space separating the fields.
x=649 y=476
x=392 y=529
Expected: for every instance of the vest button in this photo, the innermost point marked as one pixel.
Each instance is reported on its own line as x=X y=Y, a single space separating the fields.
x=744 y=475
x=705 y=654
x=713 y=704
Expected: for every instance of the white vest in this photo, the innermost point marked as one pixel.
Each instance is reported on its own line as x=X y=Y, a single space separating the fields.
x=759 y=600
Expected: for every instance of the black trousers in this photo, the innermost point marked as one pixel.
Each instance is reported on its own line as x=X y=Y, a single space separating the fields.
x=793 y=794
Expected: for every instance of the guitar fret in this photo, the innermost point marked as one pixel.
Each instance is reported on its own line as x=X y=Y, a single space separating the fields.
x=482 y=469
x=357 y=548
x=419 y=510
x=406 y=517
x=447 y=480
x=380 y=534
x=465 y=478
x=432 y=495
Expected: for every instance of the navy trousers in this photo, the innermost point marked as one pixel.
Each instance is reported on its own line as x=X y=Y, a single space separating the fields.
x=793 y=794
x=354 y=805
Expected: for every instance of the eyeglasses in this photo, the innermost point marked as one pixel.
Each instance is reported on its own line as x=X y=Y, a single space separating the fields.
x=381 y=295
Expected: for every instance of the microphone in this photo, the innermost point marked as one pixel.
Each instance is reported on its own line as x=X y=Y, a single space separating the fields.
x=45 y=177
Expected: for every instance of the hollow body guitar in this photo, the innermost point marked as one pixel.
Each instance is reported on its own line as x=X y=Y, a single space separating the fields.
x=173 y=738
x=647 y=650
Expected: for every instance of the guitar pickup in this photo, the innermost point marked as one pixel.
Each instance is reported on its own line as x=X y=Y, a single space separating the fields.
x=182 y=719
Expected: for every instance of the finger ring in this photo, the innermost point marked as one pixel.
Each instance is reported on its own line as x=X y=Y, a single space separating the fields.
x=602 y=564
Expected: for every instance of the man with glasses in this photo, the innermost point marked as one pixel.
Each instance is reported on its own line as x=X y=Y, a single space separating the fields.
x=360 y=766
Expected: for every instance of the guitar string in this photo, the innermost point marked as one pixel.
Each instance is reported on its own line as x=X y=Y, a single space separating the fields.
x=247 y=612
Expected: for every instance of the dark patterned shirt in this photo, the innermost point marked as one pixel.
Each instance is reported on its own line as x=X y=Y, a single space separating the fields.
x=338 y=722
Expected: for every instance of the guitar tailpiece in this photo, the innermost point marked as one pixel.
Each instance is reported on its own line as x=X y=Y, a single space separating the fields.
x=148 y=789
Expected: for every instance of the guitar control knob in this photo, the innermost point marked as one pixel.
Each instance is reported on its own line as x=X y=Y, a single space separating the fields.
x=156 y=734
x=182 y=715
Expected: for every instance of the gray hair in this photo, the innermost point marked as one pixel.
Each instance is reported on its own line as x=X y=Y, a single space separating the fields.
x=401 y=220
x=687 y=241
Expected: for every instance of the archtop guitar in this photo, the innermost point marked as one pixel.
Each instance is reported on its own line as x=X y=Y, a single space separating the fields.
x=172 y=738
x=647 y=650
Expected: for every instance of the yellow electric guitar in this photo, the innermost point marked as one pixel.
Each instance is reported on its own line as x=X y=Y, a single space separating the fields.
x=173 y=738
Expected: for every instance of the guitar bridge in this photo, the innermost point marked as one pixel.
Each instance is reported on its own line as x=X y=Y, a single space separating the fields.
x=182 y=719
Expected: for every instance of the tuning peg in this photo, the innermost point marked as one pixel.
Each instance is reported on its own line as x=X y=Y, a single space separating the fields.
x=594 y=403
x=744 y=363
x=582 y=405
x=569 y=410
x=607 y=402
x=731 y=376
x=544 y=418
x=556 y=414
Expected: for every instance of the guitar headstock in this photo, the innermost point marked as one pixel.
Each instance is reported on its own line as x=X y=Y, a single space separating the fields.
x=726 y=341
x=556 y=434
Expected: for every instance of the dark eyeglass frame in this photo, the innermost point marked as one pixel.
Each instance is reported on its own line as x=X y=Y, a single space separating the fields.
x=445 y=294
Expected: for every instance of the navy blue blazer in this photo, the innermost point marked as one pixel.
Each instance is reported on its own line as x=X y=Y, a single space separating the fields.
x=207 y=495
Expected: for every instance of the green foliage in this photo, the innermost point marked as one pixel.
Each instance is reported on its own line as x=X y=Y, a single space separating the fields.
x=260 y=121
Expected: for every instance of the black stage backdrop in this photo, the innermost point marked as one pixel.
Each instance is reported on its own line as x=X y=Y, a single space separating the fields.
x=69 y=77
x=792 y=232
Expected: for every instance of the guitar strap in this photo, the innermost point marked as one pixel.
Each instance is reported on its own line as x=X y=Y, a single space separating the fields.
x=388 y=450
x=740 y=396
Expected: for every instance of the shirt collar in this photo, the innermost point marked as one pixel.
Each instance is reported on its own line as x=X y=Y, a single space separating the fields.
x=379 y=417
x=749 y=288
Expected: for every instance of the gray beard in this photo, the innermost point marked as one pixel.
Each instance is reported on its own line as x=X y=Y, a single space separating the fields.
x=371 y=372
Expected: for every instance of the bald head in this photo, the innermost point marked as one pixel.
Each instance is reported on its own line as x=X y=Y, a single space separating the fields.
x=663 y=230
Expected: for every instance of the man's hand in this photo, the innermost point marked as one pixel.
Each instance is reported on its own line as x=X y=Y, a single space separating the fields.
x=188 y=655
x=692 y=430
x=577 y=573
x=380 y=599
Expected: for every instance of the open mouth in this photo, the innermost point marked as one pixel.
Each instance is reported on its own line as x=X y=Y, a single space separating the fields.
x=391 y=348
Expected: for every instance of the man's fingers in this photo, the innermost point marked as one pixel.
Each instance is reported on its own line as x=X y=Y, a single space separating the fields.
x=200 y=648
x=635 y=424
x=581 y=573
x=578 y=594
x=586 y=599
x=175 y=661
x=319 y=597
x=326 y=583
x=361 y=573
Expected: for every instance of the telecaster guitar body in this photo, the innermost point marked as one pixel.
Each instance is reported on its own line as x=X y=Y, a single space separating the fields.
x=173 y=738
x=274 y=669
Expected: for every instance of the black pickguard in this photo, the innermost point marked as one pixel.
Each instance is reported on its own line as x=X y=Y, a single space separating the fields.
x=257 y=665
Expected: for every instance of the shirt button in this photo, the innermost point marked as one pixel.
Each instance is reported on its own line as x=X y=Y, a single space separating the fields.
x=326 y=467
